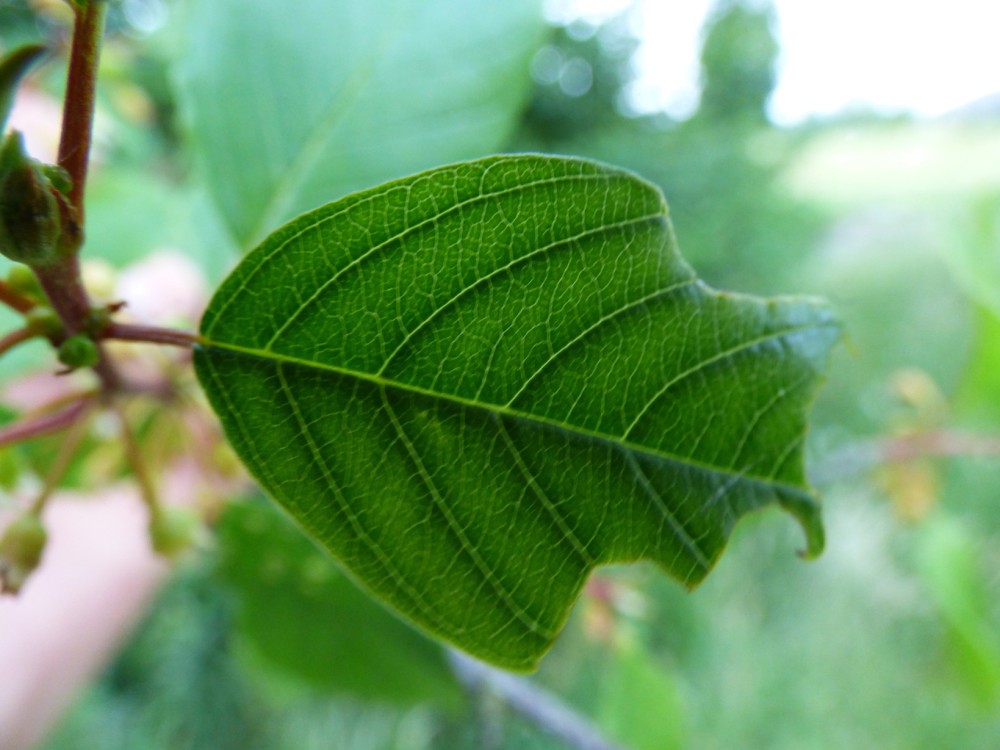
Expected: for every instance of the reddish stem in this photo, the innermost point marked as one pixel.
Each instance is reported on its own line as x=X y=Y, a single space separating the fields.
x=61 y=280
x=151 y=335
x=63 y=285
x=14 y=300
x=938 y=443
x=14 y=338
x=44 y=425
x=81 y=92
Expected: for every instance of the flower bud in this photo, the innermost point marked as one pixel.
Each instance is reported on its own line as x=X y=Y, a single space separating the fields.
x=22 y=280
x=173 y=530
x=79 y=351
x=21 y=548
x=44 y=321
x=30 y=219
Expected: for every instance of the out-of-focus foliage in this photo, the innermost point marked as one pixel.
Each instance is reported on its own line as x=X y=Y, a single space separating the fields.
x=286 y=586
x=21 y=24
x=719 y=171
x=956 y=581
x=359 y=96
x=738 y=59
x=976 y=263
x=580 y=75
x=734 y=222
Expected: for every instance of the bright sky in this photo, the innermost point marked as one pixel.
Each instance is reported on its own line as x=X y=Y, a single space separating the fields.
x=924 y=57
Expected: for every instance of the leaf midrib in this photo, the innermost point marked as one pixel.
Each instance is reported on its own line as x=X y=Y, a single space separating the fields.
x=518 y=414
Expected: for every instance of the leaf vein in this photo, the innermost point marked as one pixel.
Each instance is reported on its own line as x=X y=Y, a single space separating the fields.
x=535 y=254
x=553 y=511
x=707 y=362
x=411 y=230
x=616 y=440
x=305 y=431
x=505 y=596
x=321 y=218
x=594 y=327
x=682 y=534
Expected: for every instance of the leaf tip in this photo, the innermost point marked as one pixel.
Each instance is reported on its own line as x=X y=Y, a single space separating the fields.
x=806 y=510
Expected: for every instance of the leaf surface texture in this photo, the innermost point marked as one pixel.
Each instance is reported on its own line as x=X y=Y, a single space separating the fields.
x=475 y=384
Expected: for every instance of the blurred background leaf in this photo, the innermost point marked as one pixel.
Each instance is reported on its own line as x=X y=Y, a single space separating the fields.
x=641 y=706
x=293 y=105
x=302 y=615
x=951 y=564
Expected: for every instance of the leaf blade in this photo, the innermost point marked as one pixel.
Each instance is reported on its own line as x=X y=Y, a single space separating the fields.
x=488 y=371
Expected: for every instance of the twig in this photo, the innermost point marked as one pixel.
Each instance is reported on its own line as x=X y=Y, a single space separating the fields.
x=61 y=280
x=74 y=437
x=857 y=458
x=150 y=334
x=14 y=300
x=133 y=454
x=81 y=89
x=941 y=443
x=43 y=425
x=14 y=338
x=533 y=703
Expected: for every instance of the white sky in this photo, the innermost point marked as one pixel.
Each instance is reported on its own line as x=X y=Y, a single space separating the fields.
x=926 y=57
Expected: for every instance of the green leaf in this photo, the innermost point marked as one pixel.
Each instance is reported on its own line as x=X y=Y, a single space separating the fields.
x=975 y=264
x=641 y=704
x=475 y=384
x=293 y=104
x=307 y=620
x=958 y=587
x=978 y=399
x=13 y=67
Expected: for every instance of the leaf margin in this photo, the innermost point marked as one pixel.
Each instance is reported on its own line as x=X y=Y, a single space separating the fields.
x=799 y=502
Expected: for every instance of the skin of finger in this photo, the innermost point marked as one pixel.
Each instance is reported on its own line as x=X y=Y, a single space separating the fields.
x=97 y=576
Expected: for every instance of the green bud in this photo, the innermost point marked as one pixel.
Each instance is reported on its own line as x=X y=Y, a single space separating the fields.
x=173 y=530
x=96 y=321
x=30 y=220
x=79 y=351
x=58 y=177
x=44 y=321
x=22 y=279
x=21 y=548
